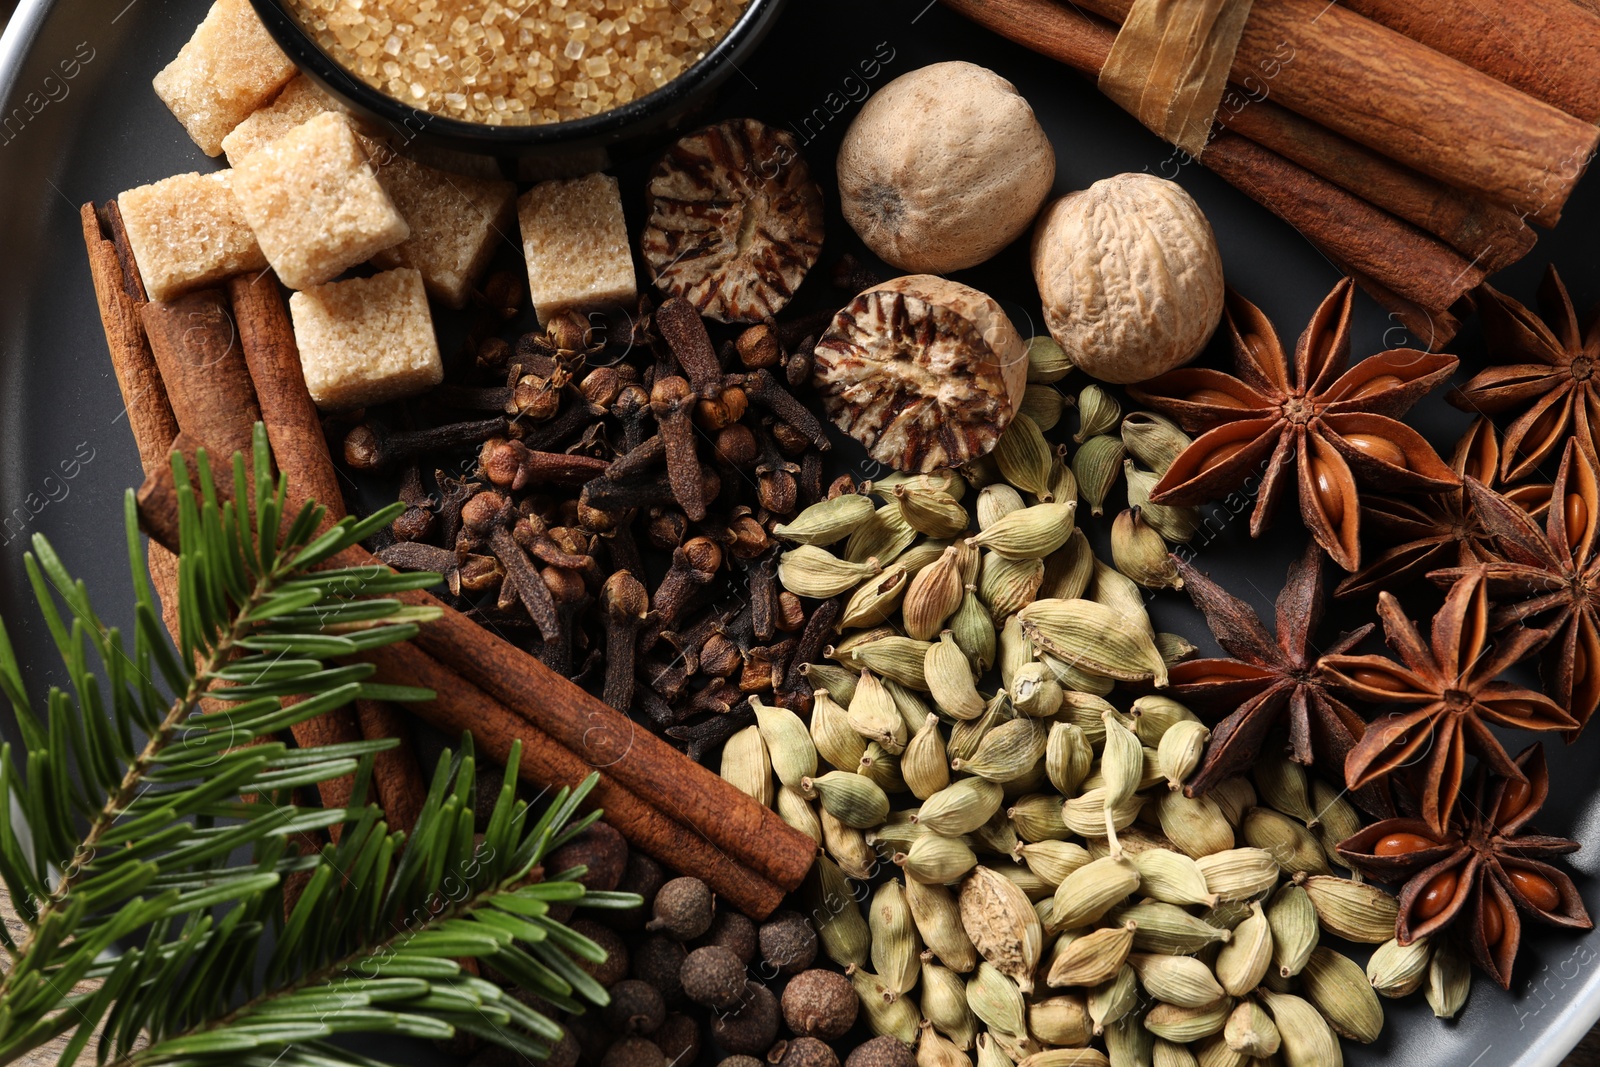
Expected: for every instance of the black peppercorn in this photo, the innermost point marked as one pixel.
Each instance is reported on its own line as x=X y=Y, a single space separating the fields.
x=683 y=909
x=788 y=942
x=713 y=977
x=820 y=1004
x=636 y=1009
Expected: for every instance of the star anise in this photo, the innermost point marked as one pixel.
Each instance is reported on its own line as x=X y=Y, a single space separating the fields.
x=1333 y=425
x=1550 y=578
x=1484 y=866
x=1548 y=374
x=1447 y=691
x=1437 y=529
x=1268 y=680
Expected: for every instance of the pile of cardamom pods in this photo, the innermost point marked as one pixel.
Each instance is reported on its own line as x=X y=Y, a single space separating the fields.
x=1042 y=884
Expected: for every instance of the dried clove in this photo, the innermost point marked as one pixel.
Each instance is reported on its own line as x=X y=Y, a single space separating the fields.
x=625 y=603
x=671 y=401
x=704 y=738
x=371 y=446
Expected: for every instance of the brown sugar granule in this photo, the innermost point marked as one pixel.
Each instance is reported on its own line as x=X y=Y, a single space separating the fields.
x=517 y=64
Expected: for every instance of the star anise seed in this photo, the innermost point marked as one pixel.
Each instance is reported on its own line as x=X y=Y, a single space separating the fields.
x=1331 y=424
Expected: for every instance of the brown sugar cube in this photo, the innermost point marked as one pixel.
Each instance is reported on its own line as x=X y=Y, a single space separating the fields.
x=230 y=67
x=187 y=231
x=455 y=221
x=366 y=340
x=576 y=244
x=314 y=202
x=299 y=101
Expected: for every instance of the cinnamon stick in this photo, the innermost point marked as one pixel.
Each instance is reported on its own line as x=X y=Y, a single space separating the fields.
x=272 y=360
x=1417 y=106
x=202 y=365
x=461 y=705
x=1549 y=49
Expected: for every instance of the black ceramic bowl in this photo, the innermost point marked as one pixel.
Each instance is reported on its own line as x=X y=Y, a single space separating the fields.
x=550 y=150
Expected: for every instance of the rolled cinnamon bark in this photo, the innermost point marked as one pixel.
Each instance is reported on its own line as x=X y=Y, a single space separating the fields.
x=202 y=366
x=1549 y=49
x=1417 y=106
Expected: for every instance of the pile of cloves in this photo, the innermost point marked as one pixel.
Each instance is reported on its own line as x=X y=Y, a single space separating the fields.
x=606 y=448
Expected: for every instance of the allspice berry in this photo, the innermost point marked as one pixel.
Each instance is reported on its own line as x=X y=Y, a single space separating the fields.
x=644 y=876
x=564 y=1053
x=733 y=932
x=807 y=1052
x=788 y=942
x=740 y=1061
x=713 y=977
x=615 y=967
x=678 y=1038
x=658 y=961
x=636 y=1008
x=883 y=1051
x=601 y=849
x=820 y=1004
x=684 y=909
x=634 y=1052
x=754 y=1027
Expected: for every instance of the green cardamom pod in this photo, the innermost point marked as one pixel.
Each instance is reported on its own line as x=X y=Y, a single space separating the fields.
x=1239 y=873
x=851 y=798
x=1031 y=533
x=895 y=836
x=1087 y=815
x=1339 y=988
x=935 y=858
x=1165 y=1053
x=923 y=764
x=1098 y=412
x=1076 y=680
x=1172 y=877
x=944 y=481
x=1121 y=761
x=938 y=919
x=997 y=836
x=973 y=631
x=1053 y=860
x=844 y=935
x=1117 y=591
x=1233 y=796
x=1096 y=465
x=1092 y=890
x=888 y=1013
x=1242 y=963
x=1295 y=929
x=1308 y=1040
x=1003 y=927
x=1128 y=1043
x=844 y=652
x=895 y=657
x=913 y=709
x=874 y=716
x=1047 y=361
x=838 y=681
x=1182 y=745
x=1291 y=844
x=923 y=554
x=1015 y=651
x=1184 y=1025
x=1044 y=405
x=1228 y=914
x=949 y=678
x=932 y=513
x=1060 y=1020
x=882 y=536
x=1110 y=1001
x=1449 y=979
x=896 y=948
x=1067 y=757
x=1038 y=818
x=967 y=734
x=995 y=999
x=847 y=846
x=827 y=521
x=1355 y=911
x=1174 y=523
x=881 y=767
x=1181 y=981
x=1195 y=825
x=960 y=807
x=1169 y=930
x=936 y=1050
x=1005 y=753
x=796 y=810
x=990 y=1053
x=875 y=600
x=1035 y=692
x=997 y=501
x=1069 y=570
x=1007 y=586
x=1335 y=820
x=933 y=596
x=1397 y=970
x=1251 y=1031
x=1281 y=784
x=836 y=741
x=792 y=752
x=814 y=572
x=746 y=765
x=1033 y=887
x=1141 y=553
x=1214 y=1052
x=1153 y=440
x=1023 y=456
x=1154 y=714
x=1094 y=958
x=944 y=1004
x=1094 y=637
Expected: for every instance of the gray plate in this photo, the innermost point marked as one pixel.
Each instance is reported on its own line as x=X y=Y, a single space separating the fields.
x=78 y=121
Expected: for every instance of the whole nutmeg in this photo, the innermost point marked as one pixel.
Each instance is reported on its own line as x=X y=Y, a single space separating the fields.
x=659 y=961
x=615 y=967
x=634 y=1052
x=636 y=1008
x=806 y=1052
x=684 y=907
x=788 y=943
x=1130 y=276
x=600 y=848
x=753 y=1027
x=733 y=932
x=885 y=1051
x=820 y=1004
x=943 y=167
x=713 y=977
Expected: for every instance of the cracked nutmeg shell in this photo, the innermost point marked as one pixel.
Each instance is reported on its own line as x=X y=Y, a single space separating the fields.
x=734 y=221
x=923 y=371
